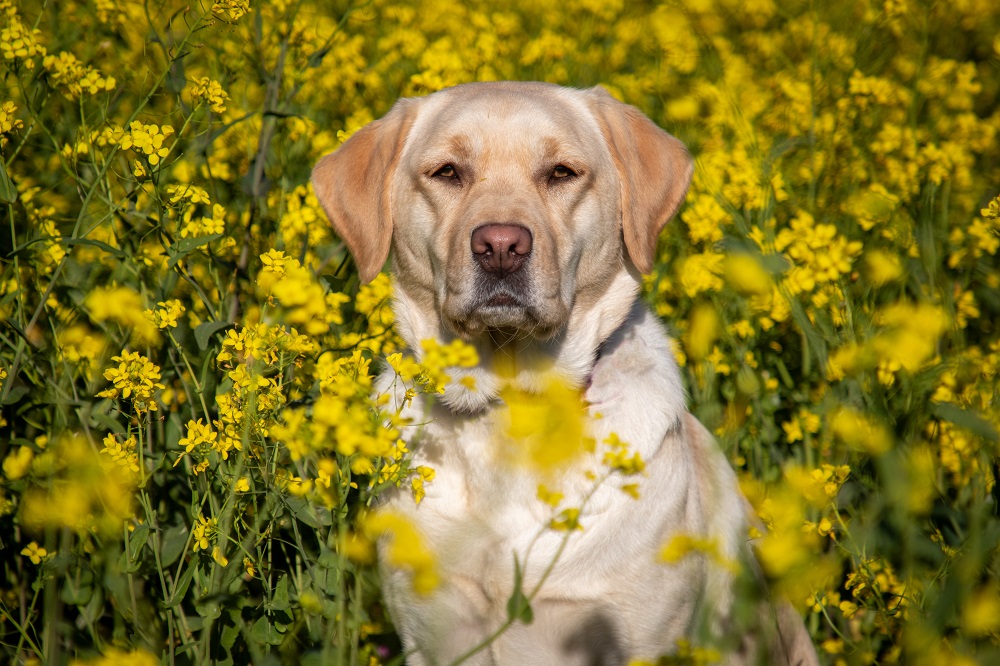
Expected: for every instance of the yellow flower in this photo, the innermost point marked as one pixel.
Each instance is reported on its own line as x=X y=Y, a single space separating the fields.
x=123 y=306
x=166 y=313
x=405 y=548
x=701 y=272
x=8 y=121
x=219 y=558
x=702 y=331
x=74 y=77
x=747 y=275
x=210 y=92
x=135 y=379
x=567 y=520
x=203 y=533
x=545 y=431
x=17 y=42
x=793 y=430
x=82 y=491
x=16 y=464
x=147 y=140
x=981 y=613
x=198 y=434
x=882 y=267
x=231 y=10
x=437 y=358
x=552 y=498
x=992 y=210
x=35 y=553
x=423 y=475
x=618 y=458
x=122 y=453
x=860 y=432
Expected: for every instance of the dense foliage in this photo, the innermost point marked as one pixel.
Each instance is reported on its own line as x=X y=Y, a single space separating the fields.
x=189 y=435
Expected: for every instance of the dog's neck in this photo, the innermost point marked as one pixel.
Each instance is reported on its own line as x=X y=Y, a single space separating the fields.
x=524 y=362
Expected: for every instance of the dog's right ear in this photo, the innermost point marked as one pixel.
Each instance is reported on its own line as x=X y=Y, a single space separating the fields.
x=353 y=185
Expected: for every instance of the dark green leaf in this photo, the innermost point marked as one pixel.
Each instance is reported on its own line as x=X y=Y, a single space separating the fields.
x=70 y=242
x=8 y=193
x=128 y=562
x=204 y=332
x=184 y=246
x=265 y=632
x=518 y=606
x=230 y=632
x=280 y=600
x=172 y=544
x=182 y=587
x=15 y=393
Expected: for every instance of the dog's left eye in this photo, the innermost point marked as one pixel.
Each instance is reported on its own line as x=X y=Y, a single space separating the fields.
x=447 y=171
x=562 y=171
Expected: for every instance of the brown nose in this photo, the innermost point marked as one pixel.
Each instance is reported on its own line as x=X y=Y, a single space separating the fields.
x=501 y=248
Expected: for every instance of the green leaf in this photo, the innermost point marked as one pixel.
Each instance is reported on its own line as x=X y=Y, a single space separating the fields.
x=230 y=632
x=182 y=587
x=280 y=600
x=128 y=562
x=185 y=246
x=265 y=632
x=172 y=544
x=78 y=589
x=518 y=606
x=70 y=242
x=965 y=419
x=8 y=193
x=15 y=394
x=308 y=513
x=204 y=332
x=209 y=609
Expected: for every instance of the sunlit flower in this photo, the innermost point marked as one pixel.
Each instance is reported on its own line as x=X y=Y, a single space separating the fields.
x=135 y=379
x=35 y=553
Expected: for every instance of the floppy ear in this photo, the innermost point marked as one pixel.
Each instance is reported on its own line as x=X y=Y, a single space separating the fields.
x=654 y=169
x=353 y=185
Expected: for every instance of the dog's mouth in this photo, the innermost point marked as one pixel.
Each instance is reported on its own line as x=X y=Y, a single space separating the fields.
x=503 y=305
x=503 y=301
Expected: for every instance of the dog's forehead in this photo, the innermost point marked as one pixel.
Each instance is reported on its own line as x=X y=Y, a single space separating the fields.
x=539 y=117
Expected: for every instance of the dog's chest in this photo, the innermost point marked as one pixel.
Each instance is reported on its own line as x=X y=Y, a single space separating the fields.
x=482 y=507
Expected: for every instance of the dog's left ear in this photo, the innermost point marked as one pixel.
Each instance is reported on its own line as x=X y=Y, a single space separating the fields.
x=353 y=184
x=654 y=169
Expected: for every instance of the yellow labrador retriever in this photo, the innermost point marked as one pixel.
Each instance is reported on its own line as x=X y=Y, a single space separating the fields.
x=520 y=217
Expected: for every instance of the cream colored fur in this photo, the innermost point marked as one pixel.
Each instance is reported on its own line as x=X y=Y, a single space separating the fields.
x=608 y=598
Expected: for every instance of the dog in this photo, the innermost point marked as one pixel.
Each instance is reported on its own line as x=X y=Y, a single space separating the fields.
x=520 y=218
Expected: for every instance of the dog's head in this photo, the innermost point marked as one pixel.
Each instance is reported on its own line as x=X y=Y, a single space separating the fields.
x=509 y=207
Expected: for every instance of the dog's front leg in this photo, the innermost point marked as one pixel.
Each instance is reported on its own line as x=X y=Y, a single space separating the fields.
x=439 y=628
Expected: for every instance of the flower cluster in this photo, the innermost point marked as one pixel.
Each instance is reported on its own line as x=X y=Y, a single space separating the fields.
x=74 y=77
x=210 y=92
x=147 y=141
x=9 y=122
x=135 y=379
x=17 y=42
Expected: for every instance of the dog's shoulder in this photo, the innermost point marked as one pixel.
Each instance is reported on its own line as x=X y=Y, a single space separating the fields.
x=635 y=388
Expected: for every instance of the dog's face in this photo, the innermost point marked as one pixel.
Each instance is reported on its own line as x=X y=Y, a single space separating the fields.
x=509 y=206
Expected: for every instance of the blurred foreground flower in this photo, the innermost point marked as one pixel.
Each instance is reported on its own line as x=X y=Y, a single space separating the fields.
x=76 y=488
x=405 y=548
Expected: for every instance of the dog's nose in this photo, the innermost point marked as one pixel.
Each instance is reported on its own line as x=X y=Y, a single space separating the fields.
x=501 y=248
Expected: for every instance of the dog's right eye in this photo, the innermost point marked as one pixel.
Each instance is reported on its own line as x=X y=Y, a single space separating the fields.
x=447 y=171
